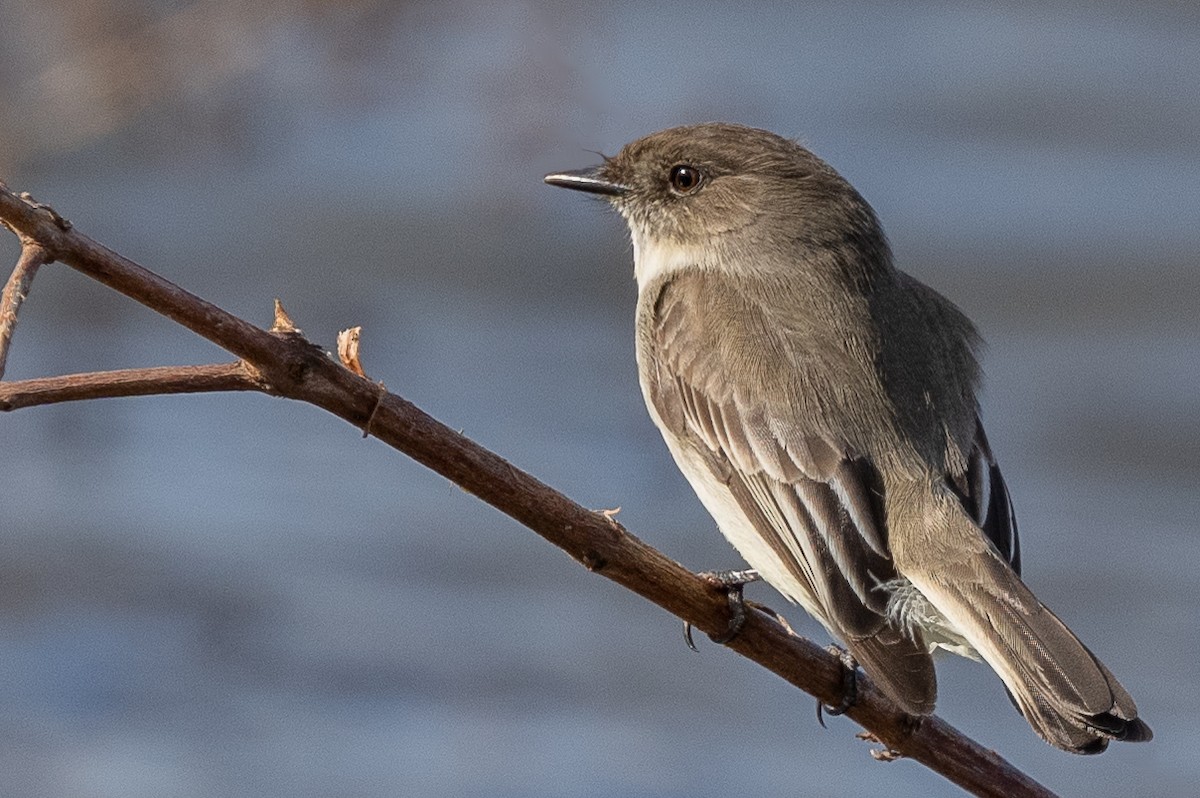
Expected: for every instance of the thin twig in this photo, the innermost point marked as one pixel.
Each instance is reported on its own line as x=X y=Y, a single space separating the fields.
x=128 y=382
x=293 y=367
x=16 y=289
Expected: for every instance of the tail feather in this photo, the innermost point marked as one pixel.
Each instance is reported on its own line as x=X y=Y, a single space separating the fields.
x=1066 y=694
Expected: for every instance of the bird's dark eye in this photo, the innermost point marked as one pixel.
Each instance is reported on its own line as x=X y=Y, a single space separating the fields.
x=685 y=179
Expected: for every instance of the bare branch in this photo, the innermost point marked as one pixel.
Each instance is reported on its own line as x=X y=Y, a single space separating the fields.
x=290 y=366
x=128 y=382
x=16 y=289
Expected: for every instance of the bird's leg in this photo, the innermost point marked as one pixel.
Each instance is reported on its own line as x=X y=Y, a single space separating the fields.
x=849 y=685
x=732 y=582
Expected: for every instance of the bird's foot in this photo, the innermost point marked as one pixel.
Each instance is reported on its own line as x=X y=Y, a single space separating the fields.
x=732 y=582
x=849 y=686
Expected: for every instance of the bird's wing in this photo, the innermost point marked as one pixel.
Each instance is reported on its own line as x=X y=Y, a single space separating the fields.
x=984 y=496
x=815 y=506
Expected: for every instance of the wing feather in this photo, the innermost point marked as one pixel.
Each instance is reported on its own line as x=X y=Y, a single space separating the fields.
x=985 y=498
x=810 y=500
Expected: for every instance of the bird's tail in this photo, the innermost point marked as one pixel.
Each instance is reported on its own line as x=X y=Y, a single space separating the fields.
x=1066 y=694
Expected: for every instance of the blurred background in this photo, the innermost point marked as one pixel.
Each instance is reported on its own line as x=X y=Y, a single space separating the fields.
x=232 y=595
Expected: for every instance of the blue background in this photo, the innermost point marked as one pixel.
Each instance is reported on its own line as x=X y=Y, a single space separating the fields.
x=233 y=595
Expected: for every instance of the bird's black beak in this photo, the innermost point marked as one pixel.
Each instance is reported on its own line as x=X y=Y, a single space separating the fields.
x=589 y=180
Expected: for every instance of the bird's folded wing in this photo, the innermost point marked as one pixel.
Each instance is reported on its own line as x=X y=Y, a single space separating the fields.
x=984 y=496
x=816 y=506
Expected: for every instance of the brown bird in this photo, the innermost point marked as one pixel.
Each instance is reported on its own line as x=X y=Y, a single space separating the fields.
x=822 y=404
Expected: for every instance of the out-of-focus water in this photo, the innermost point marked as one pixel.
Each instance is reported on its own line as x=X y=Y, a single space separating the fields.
x=235 y=595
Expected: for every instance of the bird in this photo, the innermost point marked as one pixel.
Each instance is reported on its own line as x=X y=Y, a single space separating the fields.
x=823 y=405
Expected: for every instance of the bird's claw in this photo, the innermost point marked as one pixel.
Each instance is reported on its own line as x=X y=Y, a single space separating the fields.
x=732 y=582
x=849 y=686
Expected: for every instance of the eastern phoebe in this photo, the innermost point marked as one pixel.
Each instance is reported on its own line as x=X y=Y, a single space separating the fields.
x=822 y=404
